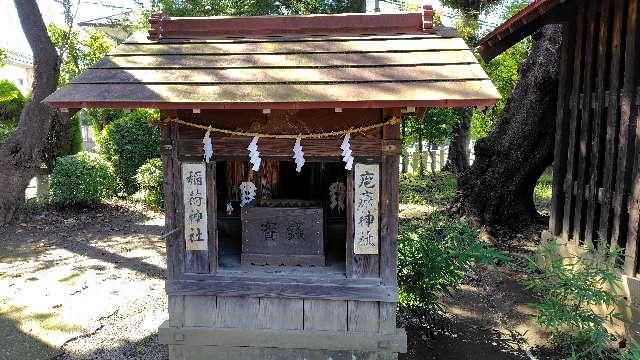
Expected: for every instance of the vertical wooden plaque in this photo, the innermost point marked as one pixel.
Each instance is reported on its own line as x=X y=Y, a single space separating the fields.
x=194 y=189
x=366 y=209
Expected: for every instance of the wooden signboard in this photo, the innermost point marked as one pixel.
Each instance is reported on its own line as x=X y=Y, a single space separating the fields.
x=194 y=188
x=366 y=209
x=282 y=236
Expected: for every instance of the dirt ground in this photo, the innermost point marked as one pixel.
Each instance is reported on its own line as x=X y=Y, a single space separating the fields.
x=89 y=284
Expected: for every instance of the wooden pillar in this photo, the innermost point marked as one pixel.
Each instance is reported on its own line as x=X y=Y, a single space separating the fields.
x=630 y=110
x=173 y=197
x=562 y=128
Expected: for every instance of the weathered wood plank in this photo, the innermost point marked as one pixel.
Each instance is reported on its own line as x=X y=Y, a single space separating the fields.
x=567 y=222
x=282 y=75
x=349 y=265
x=200 y=311
x=176 y=310
x=167 y=148
x=176 y=248
x=199 y=352
x=625 y=139
x=363 y=316
x=237 y=312
x=371 y=46
x=584 y=148
x=281 y=314
x=211 y=62
x=563 y=114
x=389 y=204
x=631 y=81
x=595 y=173
x=325 y=315
x=388 y=318
x=288 y=339
x=280 y=147
x=294 y=96
x=608 y=171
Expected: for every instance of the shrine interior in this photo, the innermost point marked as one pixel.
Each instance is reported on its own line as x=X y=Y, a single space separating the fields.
x=280 y=186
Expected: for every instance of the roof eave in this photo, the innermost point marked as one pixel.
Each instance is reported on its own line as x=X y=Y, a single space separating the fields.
x=524 y=23
x=372 y=104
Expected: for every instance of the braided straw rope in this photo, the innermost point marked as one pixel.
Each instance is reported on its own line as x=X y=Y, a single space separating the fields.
x=394 y=120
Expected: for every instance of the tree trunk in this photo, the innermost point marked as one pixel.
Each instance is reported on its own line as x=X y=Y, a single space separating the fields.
x=420 y=156
x=458 y=160
x=405 y=158
x=498 y=188
x=432 y=159
x=20 y=153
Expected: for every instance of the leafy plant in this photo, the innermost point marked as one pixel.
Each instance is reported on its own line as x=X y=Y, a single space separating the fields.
x=570 y=289
x=128 y=143
x=81 y=179
x=150 y=179
x=11 y=104
x=434 y=254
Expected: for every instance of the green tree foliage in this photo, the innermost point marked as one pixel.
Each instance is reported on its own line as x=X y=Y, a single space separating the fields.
x=256 y=7
x=150 y=180
x=11 y=103
x=81 y=179
x=77 y=52
x=128 y=143
x=503 y=71
x=434 y=128
x=3 y=57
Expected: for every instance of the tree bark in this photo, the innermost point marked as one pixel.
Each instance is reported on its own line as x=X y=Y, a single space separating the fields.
x=405 y=157
x=498 y=188
x=20 y=153
x=458 y=160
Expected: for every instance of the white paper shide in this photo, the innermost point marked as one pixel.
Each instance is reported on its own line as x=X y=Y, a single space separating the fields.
x=366 y=208
x=195 y=206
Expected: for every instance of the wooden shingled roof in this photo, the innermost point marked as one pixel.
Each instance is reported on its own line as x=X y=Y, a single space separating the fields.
x=285 y=62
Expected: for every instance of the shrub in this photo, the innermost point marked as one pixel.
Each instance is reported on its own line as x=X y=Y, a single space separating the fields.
x=149 y=178
x=570 y=289
x=434 y=254
x=11 y=104
x=81 y=179
x=127 y=143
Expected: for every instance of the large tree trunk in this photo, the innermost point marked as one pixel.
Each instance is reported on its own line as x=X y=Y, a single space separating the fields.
x=20 y=153
x=458 y=160
x=499 y=187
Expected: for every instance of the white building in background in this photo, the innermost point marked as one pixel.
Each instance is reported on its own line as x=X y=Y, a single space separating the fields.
x=18 y=69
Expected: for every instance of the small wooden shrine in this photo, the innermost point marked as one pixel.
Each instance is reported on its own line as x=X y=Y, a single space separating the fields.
x=596 y=167
x=280 y=146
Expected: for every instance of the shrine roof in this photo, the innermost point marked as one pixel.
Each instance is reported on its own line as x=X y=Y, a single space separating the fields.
x=285 y=62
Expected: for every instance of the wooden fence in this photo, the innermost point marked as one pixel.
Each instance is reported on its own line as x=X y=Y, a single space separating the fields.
x=596 y=163
x=432 y=160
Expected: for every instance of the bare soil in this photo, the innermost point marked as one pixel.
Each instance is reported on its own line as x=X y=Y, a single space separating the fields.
x=89 y=284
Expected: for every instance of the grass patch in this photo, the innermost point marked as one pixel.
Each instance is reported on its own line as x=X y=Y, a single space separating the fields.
x=543 y=192
x=436 y=189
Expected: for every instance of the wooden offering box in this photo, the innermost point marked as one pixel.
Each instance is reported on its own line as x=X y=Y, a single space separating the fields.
x=282 y=236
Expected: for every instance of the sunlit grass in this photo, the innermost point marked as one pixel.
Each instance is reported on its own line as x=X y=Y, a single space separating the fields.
x=543 y=192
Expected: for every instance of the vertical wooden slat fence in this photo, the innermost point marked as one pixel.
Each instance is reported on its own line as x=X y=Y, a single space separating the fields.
x=597 y=165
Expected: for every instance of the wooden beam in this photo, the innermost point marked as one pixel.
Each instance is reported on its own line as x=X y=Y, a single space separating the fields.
x=290 y=339
x=273 y=288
